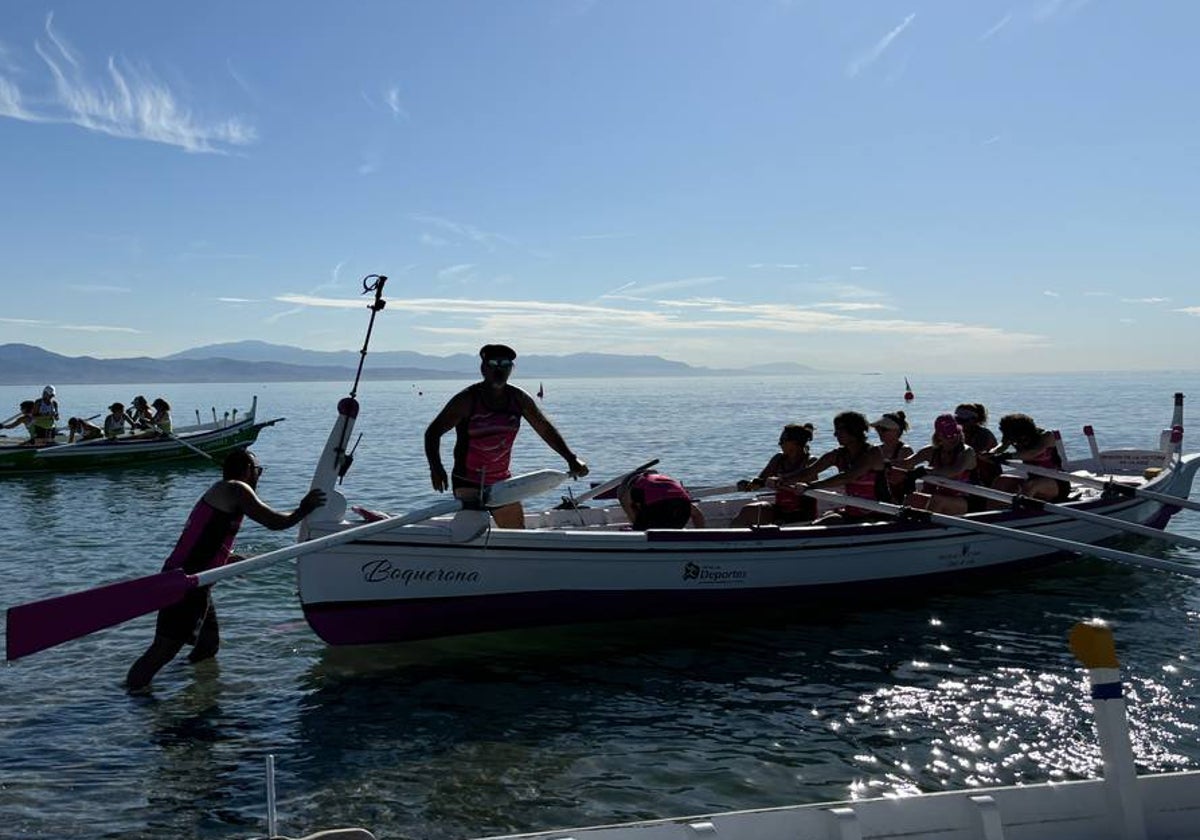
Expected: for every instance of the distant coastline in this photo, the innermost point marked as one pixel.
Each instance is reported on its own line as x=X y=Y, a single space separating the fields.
x=258 y=361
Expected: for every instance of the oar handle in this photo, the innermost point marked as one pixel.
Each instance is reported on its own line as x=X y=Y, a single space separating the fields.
x=1064 y=510
x=1056 y=543
x=1099 y=483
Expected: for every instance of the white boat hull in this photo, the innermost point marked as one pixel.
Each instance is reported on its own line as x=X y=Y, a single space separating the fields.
x=448 y=576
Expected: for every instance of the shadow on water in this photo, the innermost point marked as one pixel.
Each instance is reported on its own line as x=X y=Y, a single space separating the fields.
x=529 y=730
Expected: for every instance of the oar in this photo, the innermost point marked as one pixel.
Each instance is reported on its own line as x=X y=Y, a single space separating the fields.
x=1028 y=503
x=1099 y=483
x=43 y=624
x=1044 y=540
x=184 y=443
x=715 y=490
x=608 y=486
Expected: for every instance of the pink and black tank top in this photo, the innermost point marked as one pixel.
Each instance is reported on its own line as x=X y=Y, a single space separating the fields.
x=206 y=541
x=939 y=459
x=864 y=486
x=651 y=488
x=483 y=447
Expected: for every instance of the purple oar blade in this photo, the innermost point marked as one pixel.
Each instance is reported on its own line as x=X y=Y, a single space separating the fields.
x=43 y=624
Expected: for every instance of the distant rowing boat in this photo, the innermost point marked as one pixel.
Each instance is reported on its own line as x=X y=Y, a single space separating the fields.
x=186 y=442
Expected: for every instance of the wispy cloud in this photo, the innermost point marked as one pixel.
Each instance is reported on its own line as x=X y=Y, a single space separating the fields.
x=55 y=325
x=996 y=27
x=236 y=300
x=780 y=266
x=463 y=231
x=1058 y=8
x=95 y=288
x=1190 y=310
x=634 y=291
x=99 y=328
x=1145 y=300
x=391 y=98
x=1049 y=293
x=870 y=56
x=667 y=319
x=452 y=271
x=127 y=102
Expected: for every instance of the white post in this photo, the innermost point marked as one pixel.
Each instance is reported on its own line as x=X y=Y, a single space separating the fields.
x=1092 y=644
x=271 y=821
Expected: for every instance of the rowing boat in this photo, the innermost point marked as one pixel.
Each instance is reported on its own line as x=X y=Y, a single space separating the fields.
x=456 y=574
x=192 y=442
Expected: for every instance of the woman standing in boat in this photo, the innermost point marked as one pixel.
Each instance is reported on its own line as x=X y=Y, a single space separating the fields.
x=948 y=456
x=789 y=506
x=45 y=416
x=858 y=463
x=1032 y=445
x=486 y=417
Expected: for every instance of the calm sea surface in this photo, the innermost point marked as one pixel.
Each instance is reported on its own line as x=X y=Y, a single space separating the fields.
x=518 y=732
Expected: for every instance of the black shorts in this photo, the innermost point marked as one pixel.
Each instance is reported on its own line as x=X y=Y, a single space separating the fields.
x=669 y=513
x=182 y=622
x=42 y=433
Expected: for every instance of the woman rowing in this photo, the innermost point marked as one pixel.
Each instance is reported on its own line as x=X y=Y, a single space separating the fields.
x=785 y=466
x=891 y=427
x=973 y=417
x=858 y=463
x=1031 y=445
x=948 y=456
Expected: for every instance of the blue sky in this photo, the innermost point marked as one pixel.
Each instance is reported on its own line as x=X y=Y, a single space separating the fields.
x=894 y=186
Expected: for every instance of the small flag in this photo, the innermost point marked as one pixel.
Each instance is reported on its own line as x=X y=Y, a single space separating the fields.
x=909 y=396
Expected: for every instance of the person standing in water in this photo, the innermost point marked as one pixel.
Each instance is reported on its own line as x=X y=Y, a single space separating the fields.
x=206 y=543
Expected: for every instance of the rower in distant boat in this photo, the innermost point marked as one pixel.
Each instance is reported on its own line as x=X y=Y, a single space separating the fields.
x=115 y=422
x=82 y=429
x=24 y=419
x=139 y=413
x=162 y=415
x=486 y=417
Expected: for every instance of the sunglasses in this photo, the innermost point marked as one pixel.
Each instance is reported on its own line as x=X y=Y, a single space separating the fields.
x=258 y=470
x=500 y=363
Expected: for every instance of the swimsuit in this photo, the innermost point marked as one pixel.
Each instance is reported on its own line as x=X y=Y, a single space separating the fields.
x=484 y=444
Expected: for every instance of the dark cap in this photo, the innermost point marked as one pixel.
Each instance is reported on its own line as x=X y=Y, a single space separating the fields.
x=497 y=351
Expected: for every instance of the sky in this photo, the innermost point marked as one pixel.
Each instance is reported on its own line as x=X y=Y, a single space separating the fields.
x=893 y=185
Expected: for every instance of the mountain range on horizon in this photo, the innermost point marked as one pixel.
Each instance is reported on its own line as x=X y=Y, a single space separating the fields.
x=260 y=361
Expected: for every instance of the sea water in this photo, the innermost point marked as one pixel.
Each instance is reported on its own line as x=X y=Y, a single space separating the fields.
x=948 y=688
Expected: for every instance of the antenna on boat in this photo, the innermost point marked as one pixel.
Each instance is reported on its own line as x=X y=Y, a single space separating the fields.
x=371 y=283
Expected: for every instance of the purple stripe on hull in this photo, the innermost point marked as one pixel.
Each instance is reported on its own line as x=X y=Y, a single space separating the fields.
x=371 y=622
